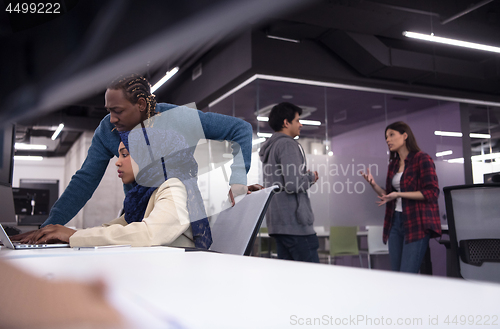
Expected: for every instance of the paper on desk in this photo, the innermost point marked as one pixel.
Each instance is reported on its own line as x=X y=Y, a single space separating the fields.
x=140 y=313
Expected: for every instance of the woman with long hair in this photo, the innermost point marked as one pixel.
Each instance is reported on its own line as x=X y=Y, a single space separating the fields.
x=411 y=199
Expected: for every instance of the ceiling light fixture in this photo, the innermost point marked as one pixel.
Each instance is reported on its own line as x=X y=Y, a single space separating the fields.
x=474 y=135
x=456 y=134
x=457 y=160
x=164 y=79
x=441 y=154
x=452 y=42
x=477 y=158
x=265 y=135
x=28 y=158
x=310 y=122
x=23 y=146
x=283 y=39
x=57 y=132
x=264 y=119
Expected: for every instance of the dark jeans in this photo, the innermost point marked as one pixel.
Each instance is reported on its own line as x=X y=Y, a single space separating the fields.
x=405 y=257
x=297 y=247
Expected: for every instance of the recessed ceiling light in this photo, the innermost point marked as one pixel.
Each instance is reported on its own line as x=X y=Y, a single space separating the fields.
x=28 y=158
x=287 y=96
x=23 y=146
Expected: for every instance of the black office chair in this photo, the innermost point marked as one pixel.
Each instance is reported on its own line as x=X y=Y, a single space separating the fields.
x=473 y=213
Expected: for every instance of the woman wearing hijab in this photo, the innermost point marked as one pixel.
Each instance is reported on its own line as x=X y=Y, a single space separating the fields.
x=162 y=206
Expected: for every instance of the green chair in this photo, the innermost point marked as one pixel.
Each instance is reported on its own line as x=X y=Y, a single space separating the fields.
x=267 y=245
x=343 y=242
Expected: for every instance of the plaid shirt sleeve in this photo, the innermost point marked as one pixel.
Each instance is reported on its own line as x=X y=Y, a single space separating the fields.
x=421 y=217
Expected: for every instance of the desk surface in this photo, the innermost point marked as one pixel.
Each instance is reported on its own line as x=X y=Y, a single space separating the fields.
x=210 y=290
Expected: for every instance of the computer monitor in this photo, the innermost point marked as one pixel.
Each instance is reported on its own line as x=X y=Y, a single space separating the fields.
x=29 y=201
x=46 y=200
x=6 y=153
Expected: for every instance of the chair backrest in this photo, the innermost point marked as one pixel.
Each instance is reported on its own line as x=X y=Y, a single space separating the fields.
x=343 y=240
x=234 y=229
x=473 y=213
x=375 y=242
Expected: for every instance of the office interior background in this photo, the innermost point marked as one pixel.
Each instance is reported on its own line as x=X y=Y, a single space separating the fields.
x=346 y=63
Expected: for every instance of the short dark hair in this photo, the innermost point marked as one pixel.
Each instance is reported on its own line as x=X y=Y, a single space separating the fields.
x=411 y=141
x=280 y=112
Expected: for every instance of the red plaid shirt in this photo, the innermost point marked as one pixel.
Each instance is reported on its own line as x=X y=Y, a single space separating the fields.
x=420 y=217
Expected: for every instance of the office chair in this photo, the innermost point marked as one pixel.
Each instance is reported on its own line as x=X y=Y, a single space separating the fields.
x=343 y=242
x=234 y=229
x=376 y=245
x=473 y=213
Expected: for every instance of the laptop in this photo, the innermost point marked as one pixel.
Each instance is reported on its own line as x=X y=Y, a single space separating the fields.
x=9 y=215
x=16 y=245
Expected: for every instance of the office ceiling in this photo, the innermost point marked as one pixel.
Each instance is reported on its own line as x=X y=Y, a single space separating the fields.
x=340 y=41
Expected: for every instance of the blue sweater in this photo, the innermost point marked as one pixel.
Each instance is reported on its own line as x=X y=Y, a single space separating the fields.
x=105 y=146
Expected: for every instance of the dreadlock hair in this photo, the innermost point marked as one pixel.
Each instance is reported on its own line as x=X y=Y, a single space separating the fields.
x=134 y=87
x=411 y=141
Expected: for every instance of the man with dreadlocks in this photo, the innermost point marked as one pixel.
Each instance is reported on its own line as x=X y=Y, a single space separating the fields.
x=129 y=103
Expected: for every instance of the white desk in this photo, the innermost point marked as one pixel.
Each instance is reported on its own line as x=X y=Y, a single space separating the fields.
x=209 y=290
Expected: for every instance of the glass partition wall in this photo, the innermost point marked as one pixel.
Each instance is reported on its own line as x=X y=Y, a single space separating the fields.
x=485 y=142
x=343 y=134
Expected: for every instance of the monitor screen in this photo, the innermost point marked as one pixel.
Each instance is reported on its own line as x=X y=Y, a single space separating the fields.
x=31 y=202
x=6 y=154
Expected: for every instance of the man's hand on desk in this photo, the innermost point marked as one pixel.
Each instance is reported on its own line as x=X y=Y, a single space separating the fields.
x=47 y=234
x=240 y=189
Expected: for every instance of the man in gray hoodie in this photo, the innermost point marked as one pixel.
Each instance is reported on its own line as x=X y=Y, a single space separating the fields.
x=289 y=217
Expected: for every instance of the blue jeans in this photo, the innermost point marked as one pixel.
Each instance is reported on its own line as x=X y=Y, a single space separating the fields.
x=297 y=247
x=405 y=257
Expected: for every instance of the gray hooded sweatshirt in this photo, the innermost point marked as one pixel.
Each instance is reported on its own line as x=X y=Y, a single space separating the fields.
x=284 y=165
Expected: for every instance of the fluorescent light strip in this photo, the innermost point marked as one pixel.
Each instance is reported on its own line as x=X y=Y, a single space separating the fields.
x=440 y=154
x=481 y=157
x=57 y=132
x=265 y=135
x=310 y=122
x=348 y=87
x=282 y=39
x=167 y=76
x=456 y=134
x=258 y=141
x=452 y=42
x=457 y=160
x=304 y=122
x=474 y=135
x=447 y=133
x=28 y=158
x=23 y=146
